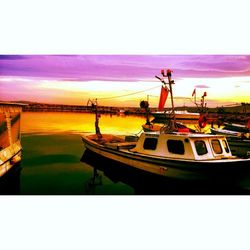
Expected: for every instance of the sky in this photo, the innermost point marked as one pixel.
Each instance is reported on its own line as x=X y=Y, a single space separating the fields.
x=124 y=80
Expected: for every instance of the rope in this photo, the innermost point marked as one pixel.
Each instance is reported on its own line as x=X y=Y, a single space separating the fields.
x=112 y=97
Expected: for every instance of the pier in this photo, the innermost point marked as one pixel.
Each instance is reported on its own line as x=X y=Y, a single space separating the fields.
x=234 y=113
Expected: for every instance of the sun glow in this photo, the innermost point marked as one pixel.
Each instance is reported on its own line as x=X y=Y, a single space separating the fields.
x=220 y=91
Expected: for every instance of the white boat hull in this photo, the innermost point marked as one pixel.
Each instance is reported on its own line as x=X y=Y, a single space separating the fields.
x=173 y=168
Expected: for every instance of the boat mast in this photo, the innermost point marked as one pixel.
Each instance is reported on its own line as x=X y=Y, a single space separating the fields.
x=168 y=73
x=170 y=82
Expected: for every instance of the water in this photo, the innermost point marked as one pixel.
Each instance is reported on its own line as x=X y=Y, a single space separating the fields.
x=52 y=152
x=56 y=162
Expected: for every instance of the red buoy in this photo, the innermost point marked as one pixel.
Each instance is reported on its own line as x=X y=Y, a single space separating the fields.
x=202 y=121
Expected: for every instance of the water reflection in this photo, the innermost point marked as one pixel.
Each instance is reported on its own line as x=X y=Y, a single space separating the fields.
x=54 y=122
x=10 y=182
x=93 y=182
x=147 y=183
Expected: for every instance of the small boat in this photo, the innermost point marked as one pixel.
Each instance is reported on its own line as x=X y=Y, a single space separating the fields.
x=233 y=129
x=218 y=131
x=237 y=127
x=179 y=115
x=154 y=127
x=238 y=137
x=121 y=112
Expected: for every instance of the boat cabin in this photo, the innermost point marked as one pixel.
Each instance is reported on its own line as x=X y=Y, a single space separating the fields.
x=183 y=146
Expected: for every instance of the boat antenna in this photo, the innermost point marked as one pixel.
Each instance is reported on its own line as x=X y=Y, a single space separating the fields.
x=94 y=105
x=168 y=73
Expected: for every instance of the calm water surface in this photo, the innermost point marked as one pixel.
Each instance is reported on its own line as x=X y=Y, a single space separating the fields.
x=56 y=162
x=52 y=153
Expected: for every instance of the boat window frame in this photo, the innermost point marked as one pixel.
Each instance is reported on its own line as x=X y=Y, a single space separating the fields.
x=150 y=144
x=219 y=144
x=225 y=145
x=203 y=144
x=182 y=152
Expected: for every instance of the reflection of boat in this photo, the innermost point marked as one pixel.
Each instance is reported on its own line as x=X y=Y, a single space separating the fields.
x=183 y=156
x=10 y=139
x=179 y=115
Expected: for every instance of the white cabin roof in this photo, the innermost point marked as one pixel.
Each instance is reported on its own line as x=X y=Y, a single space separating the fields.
x=184 y=134
x=183 y=146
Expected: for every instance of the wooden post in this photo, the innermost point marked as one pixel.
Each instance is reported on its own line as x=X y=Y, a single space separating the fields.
x=95 y=109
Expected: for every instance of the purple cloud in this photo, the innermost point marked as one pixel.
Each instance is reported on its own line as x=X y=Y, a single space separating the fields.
x=122 y=67
x=12 y=57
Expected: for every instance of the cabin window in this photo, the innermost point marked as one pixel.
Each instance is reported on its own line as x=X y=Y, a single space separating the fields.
x=200 y=147
x=216 y=146
x=225 y=145
x=150 y=143
x=175 y=147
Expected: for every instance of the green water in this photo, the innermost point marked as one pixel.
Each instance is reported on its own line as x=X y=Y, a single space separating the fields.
x=52 y=150
x=51 y=165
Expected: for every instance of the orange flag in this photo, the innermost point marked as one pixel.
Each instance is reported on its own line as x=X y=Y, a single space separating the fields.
x=163 y=98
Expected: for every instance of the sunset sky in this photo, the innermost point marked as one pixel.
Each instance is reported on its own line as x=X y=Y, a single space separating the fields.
x=123 y=80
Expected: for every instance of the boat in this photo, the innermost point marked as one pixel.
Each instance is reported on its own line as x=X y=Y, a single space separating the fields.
x=233 y=129
x=154 y=126
x=184 y=156
x=171 y=153
x=179 y=115
x=238 y=137
x=10 y=136
x=121 y=112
